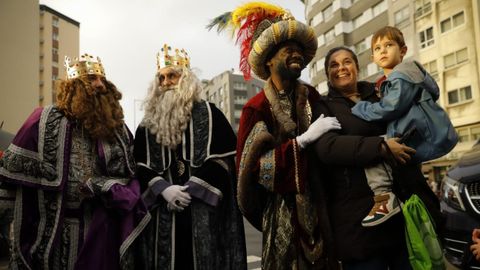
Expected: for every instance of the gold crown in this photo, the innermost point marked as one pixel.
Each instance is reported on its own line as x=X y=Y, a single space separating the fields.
x=83 y=65
x=165 y=59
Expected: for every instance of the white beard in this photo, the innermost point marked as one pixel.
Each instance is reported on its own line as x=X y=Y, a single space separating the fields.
x=169 y=114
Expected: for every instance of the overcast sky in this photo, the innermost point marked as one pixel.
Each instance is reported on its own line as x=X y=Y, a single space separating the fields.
x=127 y=35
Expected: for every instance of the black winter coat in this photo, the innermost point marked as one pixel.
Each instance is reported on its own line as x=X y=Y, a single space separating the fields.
x=344 y=154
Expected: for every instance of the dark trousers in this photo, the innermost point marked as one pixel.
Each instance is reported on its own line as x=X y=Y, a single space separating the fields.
x=398 y=260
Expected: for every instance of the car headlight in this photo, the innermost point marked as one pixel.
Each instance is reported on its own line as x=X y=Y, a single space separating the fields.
x=450 y=193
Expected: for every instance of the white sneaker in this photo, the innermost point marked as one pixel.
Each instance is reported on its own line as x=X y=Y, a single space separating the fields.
x=386 y=205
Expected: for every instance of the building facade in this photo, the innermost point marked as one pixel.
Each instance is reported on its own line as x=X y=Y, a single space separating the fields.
x=35 y=41
x=443 y=35
x=20 y=61
x=59 y=37
x=229 y=92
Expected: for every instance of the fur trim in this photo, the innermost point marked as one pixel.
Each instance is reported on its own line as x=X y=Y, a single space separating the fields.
x=248 y=188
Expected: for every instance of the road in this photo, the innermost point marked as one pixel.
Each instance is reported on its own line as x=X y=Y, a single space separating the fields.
x=254 y=250
x=254 y=246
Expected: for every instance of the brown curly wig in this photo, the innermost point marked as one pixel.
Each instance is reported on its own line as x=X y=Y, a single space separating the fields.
x=98 y=110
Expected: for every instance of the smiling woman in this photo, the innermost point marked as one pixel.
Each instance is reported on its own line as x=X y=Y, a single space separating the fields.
x=348 y=158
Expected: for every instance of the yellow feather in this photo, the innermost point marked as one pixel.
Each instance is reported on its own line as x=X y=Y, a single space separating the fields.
x=242 y=12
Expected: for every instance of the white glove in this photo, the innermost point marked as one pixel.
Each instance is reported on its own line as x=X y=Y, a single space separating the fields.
x=177 y=197
x=317 y=129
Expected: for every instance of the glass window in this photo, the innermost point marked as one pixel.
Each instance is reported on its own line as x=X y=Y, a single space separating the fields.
x=239 y=86
x=401 y=15
x=317 y=19
x=465 y=93
x=379 y=8
x=463 y=135
x=458 y=19
x=422 y=7
x=453 y=97
x=455 y=58
x=330 y=36
x=449 y=60
x=462 y=55
x=361 y=47
x=431 y=67
x=452 y=22
x=426 y=38
x=460 y=95
x=446 y=25
x=357 y=21
x=328 y=12
x=475 y=132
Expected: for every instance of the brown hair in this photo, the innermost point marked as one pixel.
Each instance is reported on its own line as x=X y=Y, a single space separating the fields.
x=98 y=110
x=336 y=49
x=391 y=33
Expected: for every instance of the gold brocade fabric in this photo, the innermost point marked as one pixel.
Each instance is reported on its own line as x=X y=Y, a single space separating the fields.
x=279 y=249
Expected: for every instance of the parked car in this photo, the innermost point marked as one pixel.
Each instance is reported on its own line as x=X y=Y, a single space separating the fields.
x=461 y=205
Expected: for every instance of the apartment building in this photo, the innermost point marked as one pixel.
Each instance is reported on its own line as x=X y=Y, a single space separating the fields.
x=229 y=92
x=443 y=35
x=448 y=46
x=19 y=66
x=59 y=37
x=35 y=41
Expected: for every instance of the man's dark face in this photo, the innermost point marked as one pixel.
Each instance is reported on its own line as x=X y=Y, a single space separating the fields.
x=288 y=61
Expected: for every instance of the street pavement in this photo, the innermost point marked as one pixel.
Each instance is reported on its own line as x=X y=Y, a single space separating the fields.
x=253 y=240
x=254 y=250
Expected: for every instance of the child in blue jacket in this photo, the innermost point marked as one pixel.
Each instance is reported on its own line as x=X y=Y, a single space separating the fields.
x=408 y=95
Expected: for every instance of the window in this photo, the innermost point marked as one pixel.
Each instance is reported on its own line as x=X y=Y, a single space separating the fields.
x=379 y=8
x=432 y=69
x=239 y=86
x=463 y=135
x=55 y=22
x=330 y=36
x=452 y=22
x=401 y=16
x=426 y=38
x=475 y=132
x=361 y=47
x=460 y=95
x=357 y=21
x=317 y=19
x=455 y=58
x=422 y=7
x=55 y=36
x=469 y=133
x=328 y=12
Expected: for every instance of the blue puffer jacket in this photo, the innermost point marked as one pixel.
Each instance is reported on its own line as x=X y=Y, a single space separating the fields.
x=409 y=95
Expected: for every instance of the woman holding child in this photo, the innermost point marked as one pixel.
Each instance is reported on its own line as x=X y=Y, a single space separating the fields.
x=355 y=153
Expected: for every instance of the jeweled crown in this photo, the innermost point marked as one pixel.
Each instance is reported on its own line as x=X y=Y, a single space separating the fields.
x=84 y=65
x=179 y=58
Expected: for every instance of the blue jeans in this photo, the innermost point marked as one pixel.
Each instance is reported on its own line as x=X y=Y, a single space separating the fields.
x=397 y=260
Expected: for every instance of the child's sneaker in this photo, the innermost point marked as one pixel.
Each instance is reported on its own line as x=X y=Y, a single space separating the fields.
x=386 y=205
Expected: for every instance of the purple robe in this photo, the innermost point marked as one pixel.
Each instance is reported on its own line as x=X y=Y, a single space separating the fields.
x=37 y=165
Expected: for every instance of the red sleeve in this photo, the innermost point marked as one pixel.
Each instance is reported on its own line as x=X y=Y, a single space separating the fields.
x=287 y=164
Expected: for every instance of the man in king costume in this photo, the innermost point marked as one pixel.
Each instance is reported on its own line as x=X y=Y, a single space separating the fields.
x=275 y=169
x=184 y=149
x=71 y=166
